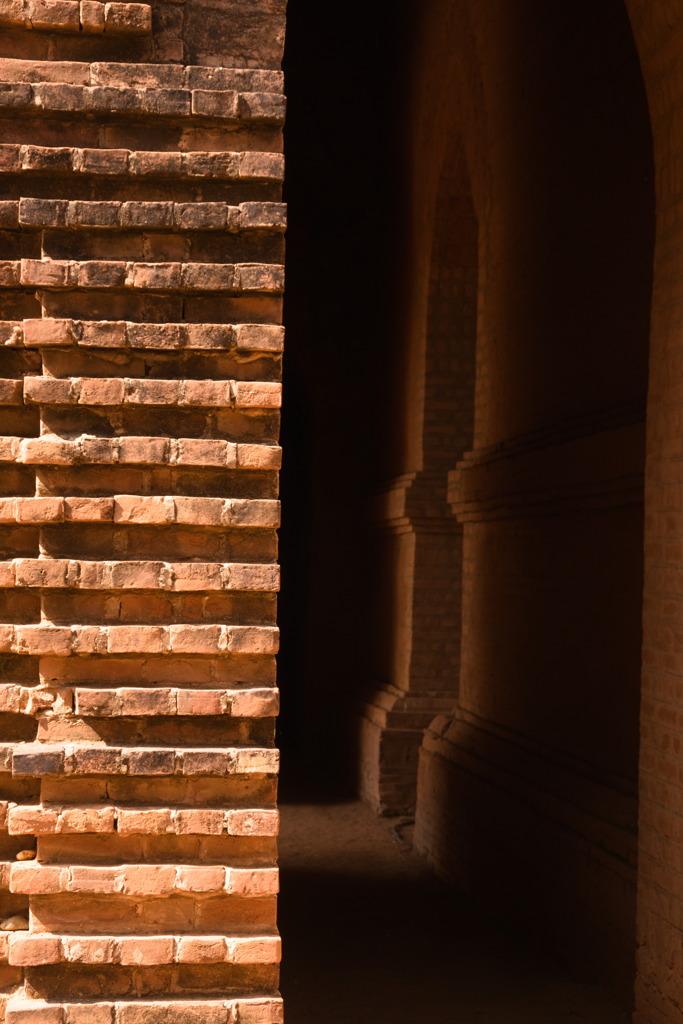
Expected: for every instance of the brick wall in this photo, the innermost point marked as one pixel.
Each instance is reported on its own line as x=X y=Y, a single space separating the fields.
x=140 y=300
x=658 y=29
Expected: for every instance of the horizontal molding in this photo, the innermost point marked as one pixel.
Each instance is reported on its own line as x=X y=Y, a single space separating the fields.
x=28 y=949
x=143 y=510
x=51 y=333
x=551 y=475
x=64 y=641
x=201 y=164
x=127 y=276
x=141 y=75
x=132 y=701
x=240 y=1010
x=69 y=759
x=413 y=502
x=52 y=450
x=34 y=879
x=93 y=819
x=391 y=707
x=201 y=105
x=136 y=574
x=133 y=391
x=89 y=17
x=568 y=791
x=133 y=215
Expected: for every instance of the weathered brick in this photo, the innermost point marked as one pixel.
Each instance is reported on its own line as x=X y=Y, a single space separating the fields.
x=83 y=818
x=11 y=392
x=96 y=949
x=200 y=702
x=199 y=822
x=144 y=821
x=38 y=759
x=151 y=762
x=128 y=19
x=24 y=820
x=89 y=1013
x=91 y=16
x=200 y=949
x=29 y=1011
x=253 y=822
x=33 y=950
x=48 y=332
x=136 y=652
x=215 y=103
x=38 y=880
x=259 y=1011
x=264 y=949
x=147 y=950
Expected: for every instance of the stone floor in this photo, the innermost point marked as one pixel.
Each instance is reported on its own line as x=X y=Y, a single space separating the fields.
x=370 y=937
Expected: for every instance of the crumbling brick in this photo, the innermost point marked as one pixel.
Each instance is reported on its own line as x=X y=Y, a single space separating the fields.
x=144 y=392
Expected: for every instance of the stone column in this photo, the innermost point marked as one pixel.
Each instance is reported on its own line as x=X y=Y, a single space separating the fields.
x=419 y=569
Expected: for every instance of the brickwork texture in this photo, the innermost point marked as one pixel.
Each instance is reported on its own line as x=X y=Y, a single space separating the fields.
x=141 y=251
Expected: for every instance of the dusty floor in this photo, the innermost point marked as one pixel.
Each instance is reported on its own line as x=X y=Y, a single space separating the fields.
x=370 y=937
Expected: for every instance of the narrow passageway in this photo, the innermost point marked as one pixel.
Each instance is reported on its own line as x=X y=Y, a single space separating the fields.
x=372 y=937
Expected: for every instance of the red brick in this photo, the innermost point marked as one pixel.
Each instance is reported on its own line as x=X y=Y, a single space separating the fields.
x=37 y=879
x=11 y=392
x=34 y=950
x=85 y=1013
x=48 y=390
x=96 y=818
x=262 y=950
x=151 y=762
x=259 y=1011
x=61 y=14
x=149 y=879
x=200 y=702
x=195 y=639
x=92 y=16
x=128 y=19
x=214 y=103
x=43 y=333
x=147 y=950
x=131 y=508
x=200 y=1012
x=24 y=820
x=136 y=639
x=200 y=949
x=199 y=822
x=147 y=702
x=257 y=882
x=99 y=760
x=142 y=821
x=100 y=880
x=96 y=949
x=253 y=823
x=101 y=392
x=143 y=164
x=27 y=1011
x=205 y=762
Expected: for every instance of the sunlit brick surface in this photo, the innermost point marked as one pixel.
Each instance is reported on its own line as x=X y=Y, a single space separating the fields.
x=141 y=252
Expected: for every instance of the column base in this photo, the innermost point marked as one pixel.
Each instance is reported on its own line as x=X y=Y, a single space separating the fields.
x=537 y=837
x=390 y=726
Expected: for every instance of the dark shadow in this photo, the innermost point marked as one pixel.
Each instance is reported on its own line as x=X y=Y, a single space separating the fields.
x=345 y=85
x=372 y=938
